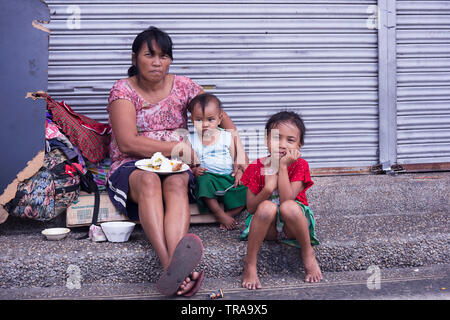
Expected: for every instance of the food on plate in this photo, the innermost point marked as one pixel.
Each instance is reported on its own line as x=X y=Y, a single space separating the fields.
x=161 y=163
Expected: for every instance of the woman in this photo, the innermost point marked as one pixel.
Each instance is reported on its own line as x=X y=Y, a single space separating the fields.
x=145 y=111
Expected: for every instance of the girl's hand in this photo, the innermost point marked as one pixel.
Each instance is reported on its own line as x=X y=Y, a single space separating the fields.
x=198 y=171
x=290 y=157
x=271 y=182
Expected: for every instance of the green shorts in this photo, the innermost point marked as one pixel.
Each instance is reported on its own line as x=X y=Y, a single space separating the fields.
x=279 y=223
x=208 y=183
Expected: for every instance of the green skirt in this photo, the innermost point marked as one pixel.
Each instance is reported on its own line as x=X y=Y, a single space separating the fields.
x=209 y=182
x=280 y=223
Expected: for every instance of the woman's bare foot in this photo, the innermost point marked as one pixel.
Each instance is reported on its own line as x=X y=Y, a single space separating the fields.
x=250 y=277
x=312 y=268
x=188 y=283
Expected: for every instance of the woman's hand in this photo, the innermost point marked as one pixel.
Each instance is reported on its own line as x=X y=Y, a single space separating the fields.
x=184 y=151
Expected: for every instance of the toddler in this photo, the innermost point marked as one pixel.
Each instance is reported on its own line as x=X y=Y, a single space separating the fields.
x=276 y=200
x=218 y=153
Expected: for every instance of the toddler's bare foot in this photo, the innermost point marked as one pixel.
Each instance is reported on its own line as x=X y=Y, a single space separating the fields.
x=312 y=268
x=250 y=277
x=226 y=222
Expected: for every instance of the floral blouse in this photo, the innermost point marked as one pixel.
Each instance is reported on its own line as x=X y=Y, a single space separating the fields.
x=157 y=121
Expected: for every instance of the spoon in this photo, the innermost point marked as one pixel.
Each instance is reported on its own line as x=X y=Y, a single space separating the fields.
x=222 y=193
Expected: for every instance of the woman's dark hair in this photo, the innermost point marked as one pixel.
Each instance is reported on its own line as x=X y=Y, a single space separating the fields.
x=290 y=117
x=203 y=99
x=152 y=33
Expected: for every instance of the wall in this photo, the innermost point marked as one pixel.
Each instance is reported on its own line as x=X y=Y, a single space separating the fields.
x=24 y=58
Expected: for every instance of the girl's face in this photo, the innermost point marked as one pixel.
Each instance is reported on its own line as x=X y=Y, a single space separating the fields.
x=208 y=120
x=152 y=67
x=283 y=136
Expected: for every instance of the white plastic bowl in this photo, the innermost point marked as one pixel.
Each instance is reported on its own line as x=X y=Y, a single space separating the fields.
x=117 y=231
x=55 y=233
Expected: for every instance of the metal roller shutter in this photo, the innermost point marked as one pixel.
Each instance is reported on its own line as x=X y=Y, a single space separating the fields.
x=315 y=57
x=423 y=77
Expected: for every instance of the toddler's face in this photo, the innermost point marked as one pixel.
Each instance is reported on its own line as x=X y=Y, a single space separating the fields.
x=208 y=120
x=282 y=137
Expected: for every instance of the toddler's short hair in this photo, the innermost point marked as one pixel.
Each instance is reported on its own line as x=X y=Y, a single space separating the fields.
x=203 y=99
x=290 y=117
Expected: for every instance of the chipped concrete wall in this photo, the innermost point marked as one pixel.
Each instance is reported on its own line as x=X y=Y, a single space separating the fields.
x=24 y=59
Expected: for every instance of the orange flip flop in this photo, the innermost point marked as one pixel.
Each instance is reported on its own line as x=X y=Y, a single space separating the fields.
x=186 y=257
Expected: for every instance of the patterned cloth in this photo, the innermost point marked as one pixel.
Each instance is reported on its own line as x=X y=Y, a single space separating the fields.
x=100 y=172
x=89 y=135
x=279 y=224
x=157 y=121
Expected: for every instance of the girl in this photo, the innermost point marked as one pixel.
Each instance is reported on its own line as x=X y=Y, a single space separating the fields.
x=276 y=200
x=219 y=153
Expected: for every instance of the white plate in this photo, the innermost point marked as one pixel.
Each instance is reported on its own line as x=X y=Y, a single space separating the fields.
x=143 y=165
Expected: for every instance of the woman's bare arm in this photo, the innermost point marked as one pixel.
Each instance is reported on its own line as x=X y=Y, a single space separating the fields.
x=123 y=122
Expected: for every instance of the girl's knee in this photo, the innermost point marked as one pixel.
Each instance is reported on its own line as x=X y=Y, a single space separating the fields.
x=266 y=211
x=290 y=210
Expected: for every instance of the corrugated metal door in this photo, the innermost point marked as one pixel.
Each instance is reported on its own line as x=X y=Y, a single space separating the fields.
x=316 y=57
x=423 y=77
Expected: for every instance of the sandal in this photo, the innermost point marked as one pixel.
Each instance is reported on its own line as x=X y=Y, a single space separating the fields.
x=186 y=257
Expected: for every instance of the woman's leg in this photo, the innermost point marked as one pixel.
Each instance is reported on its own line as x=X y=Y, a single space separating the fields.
x=260 y=228
x=177 y=219
x=145 y=189
x=177 y=216
x=296 y=226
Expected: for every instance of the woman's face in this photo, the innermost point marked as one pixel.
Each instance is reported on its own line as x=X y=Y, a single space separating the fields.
x=152 y=67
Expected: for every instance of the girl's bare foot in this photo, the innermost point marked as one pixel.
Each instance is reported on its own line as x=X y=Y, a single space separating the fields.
x=312 y=268
x=250 y=277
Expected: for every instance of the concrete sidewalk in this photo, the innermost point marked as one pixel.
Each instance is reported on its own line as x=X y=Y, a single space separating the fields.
x=424 y=283
x=363 y=220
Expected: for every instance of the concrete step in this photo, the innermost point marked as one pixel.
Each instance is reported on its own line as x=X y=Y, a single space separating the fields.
x=357 y=228
x=354 y=244
x=378 y=194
